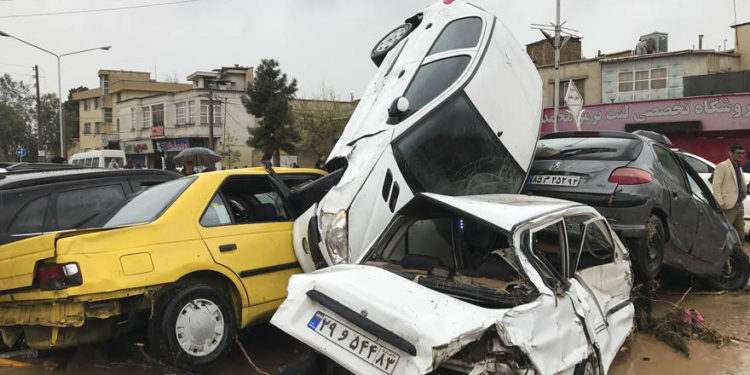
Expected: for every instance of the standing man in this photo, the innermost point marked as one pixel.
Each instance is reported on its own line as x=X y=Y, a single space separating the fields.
x=730 y=187
x=321 y=163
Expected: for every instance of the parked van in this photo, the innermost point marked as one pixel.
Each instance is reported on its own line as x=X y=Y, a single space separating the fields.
x=99 y=158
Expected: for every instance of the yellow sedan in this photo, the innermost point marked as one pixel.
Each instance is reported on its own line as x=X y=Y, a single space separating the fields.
x=197 y=257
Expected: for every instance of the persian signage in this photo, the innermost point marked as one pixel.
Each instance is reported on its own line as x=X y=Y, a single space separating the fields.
x=138 y=147
x=172 y=145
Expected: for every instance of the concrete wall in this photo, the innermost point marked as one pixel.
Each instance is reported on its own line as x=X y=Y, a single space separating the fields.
x=542 y=53
x=675 y=65
x=589 y=70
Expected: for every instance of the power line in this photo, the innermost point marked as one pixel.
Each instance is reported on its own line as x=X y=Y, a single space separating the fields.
x=96 y=10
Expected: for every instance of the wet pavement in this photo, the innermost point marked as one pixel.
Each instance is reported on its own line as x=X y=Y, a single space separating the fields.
x=269 y=348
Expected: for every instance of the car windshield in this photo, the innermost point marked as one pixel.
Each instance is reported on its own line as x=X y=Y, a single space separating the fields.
x=457 y=256
x=454 y=152
x=595 y=148
x=142 y=207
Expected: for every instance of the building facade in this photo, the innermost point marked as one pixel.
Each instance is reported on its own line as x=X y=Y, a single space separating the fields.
x=153 y=128
x=100 y=108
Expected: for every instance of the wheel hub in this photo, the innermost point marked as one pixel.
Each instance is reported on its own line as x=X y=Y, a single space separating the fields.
x=199 y=327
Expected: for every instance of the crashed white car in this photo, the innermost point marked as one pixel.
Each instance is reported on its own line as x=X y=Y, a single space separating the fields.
x=454 y=109
x=499 y=284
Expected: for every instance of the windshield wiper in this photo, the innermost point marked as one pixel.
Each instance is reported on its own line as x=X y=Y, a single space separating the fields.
x=584 y=150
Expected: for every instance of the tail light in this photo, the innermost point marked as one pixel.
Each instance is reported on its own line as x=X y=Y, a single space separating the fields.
x=630 y=176
x=59 y=276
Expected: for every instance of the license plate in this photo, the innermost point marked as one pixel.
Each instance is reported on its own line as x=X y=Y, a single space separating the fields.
x=554 y=180
x=354 y=342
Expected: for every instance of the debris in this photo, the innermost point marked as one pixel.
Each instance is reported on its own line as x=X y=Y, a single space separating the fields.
x=20 y=354
x=51 y=365
x=673 y=330
x=13 y=364
x=259 y=371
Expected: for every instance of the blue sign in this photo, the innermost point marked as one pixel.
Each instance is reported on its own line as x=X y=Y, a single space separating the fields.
x=20 y=152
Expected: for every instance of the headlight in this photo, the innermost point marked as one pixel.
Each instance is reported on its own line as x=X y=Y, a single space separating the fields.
x=336 y=236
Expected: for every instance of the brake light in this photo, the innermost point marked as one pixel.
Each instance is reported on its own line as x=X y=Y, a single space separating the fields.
x=447 y=2
x=630 y=176
x=59 y=276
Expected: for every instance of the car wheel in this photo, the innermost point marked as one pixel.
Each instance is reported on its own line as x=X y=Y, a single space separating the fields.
x=588 y=367
x=389 y=41
x=192 y=326
x=735 y=273
x=648 y=253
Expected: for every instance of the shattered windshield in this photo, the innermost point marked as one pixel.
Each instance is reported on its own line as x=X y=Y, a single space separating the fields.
x=457 y=256
x=453 y=152
x=595 y=148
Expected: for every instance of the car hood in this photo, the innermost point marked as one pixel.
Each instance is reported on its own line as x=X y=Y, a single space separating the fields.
x=406 y=309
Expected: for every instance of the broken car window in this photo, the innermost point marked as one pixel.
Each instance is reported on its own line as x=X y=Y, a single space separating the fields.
x=670 y=167
x=432 y=79
x=548 y=246
x=462 y=33
x=252 y=199
x=598 y=248
x=434 y=156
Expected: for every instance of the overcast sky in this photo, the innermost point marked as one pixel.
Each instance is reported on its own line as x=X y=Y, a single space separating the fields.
x=319 y=42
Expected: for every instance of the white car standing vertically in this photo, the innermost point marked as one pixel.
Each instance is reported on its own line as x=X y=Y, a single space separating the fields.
x=454 y=109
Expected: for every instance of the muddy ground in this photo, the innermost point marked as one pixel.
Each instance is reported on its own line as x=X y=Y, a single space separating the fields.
x=269 y=348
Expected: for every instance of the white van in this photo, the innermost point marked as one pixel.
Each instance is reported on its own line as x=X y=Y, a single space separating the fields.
x=99 y=159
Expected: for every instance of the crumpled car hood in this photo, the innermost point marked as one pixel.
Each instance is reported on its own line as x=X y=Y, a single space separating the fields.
x=427 y=319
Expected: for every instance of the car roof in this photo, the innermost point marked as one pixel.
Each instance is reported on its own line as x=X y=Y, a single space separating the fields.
x=641 y=135
x=15 y=180
x=504 y=210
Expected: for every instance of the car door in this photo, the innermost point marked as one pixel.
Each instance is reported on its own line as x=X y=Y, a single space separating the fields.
x=248 y=229
x=600 y=280
x=711 y=224
x=683 y=211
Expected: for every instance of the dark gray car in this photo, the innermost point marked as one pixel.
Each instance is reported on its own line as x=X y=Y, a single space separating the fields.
x=657 y=204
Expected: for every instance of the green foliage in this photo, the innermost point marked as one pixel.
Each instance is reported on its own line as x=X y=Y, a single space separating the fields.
x=320 y=122
x=268 y=99
x=228 y=155
x=13 y=131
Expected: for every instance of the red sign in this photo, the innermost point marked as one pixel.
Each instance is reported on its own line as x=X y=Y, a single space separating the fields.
x=716 y=113
x=157 y=131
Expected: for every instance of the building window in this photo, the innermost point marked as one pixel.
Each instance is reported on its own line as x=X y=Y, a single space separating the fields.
x=579 y=83
x=642 y=80
x=87 y=128
x=204 y=113
x=133 y=119
x=97 y=103
x=119 y=96
x=98 y=128
x=146 y=117
x=86 y=105
x=107 y=115
x=181 y=113
x=191 y=112
x=105 y=84
x=157 y=114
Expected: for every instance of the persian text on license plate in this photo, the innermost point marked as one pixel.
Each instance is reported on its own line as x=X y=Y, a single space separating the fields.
x=555 y=180
x=354 y=342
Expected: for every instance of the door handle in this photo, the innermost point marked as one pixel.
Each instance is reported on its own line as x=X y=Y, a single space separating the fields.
x=227 y=247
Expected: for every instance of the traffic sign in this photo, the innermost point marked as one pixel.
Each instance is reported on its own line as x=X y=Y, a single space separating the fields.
x=20 y=152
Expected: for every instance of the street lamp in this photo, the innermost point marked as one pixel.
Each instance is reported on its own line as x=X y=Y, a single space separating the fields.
x=59 y=79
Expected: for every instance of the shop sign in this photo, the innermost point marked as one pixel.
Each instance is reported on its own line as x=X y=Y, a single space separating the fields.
x=143 y=147
x=172 y=145
x=157 y=131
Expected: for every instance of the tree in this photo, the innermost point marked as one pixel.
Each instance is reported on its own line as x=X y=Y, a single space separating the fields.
x=13 y=131
x=267 y=98
x=228 y=155
x=321 y=122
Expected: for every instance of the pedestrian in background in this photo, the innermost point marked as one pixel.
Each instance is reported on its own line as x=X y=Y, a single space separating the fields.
x=189 y=168
x=321 y=163
x=730 y=187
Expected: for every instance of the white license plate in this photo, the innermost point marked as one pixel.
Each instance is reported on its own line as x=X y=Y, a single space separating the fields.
x=554 y=180
x=354 y=342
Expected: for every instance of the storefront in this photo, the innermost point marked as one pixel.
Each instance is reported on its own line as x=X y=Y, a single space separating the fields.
x=705 y=126
x=137 y=152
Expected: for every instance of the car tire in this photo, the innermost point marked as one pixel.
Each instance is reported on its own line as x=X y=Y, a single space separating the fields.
x=734 y=274
x=647 y=253
x=192 y=326
x=390 y=40
x=588 y=367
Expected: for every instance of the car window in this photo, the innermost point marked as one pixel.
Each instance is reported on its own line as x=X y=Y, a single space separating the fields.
x=427 y=238
x=432 y=79
x=597 y=248
x=697 y=165
x=593 y=148
x=434 y=156
x=696 y=190
x=548 y=246
x=252 y=199
x=75 y=206
x=671 y=168
x=142 y=207
x=462 y=33
x=30 y=219
x=216 y=213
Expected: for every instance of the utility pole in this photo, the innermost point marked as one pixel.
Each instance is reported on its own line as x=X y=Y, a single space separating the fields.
x=210 y=119
x=557 y=43
x=38 y=117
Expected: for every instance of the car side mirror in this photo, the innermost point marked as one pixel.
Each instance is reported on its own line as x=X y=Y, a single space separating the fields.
x=398 y=110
